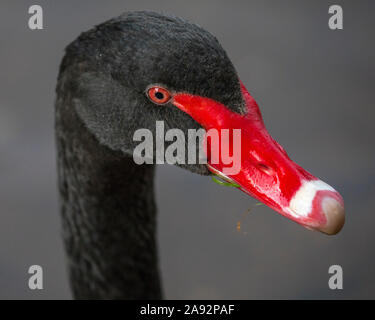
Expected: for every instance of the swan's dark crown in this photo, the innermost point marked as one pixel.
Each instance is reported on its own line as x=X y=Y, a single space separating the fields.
x=141 y=48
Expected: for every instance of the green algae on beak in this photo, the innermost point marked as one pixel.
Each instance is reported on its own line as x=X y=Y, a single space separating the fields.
x=222 y=183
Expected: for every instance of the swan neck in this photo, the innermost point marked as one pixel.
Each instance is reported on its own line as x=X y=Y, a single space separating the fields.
x=108 y=215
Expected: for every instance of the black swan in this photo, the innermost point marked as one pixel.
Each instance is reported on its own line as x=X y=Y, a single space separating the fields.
x=126 y=74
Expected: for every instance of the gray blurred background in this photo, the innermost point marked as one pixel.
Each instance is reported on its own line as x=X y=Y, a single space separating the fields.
x=315 y=88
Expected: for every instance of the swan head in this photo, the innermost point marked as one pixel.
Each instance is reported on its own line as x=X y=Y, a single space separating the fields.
x=143 y=67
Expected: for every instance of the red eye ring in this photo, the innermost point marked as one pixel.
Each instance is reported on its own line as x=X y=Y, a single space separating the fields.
x=159 y=95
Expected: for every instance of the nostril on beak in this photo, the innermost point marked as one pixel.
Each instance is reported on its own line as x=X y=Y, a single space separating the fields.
x=335 y=215
x=265 y=169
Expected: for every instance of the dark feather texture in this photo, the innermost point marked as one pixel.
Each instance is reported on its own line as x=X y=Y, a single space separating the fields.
x=107 y=201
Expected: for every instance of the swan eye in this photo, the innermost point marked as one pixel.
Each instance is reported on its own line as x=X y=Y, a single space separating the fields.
x=158 y=95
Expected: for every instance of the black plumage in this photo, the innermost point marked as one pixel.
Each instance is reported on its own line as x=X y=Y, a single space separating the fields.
x=107 y=201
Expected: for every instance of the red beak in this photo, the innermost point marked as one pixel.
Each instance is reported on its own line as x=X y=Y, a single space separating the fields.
x=265 y=171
